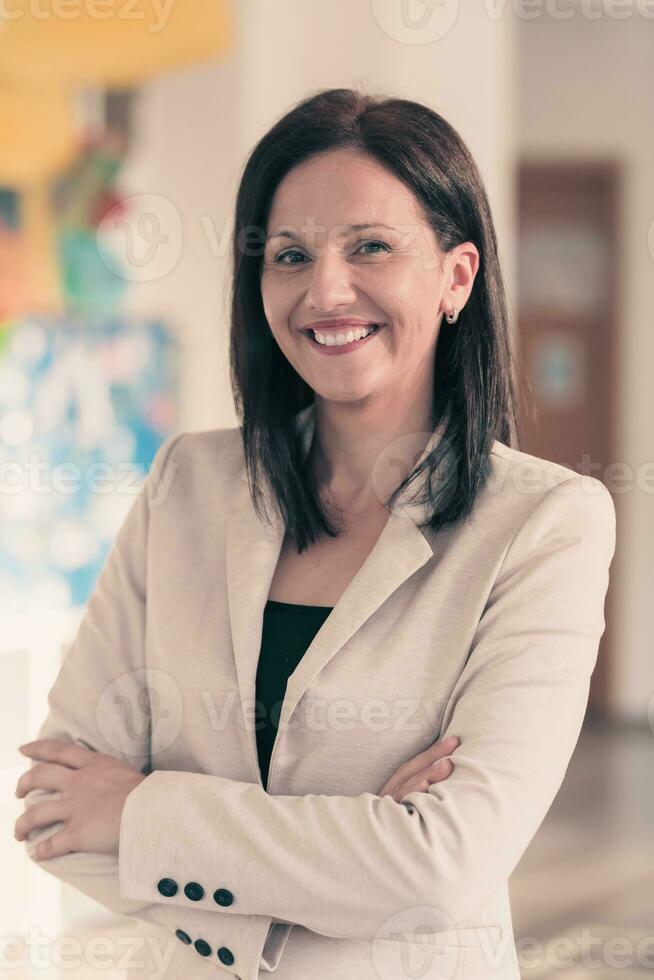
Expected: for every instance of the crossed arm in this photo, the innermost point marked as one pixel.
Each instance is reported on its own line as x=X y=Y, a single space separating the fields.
x=517 y=708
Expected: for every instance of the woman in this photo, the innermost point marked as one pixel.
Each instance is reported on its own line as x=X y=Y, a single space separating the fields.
x=369 y=551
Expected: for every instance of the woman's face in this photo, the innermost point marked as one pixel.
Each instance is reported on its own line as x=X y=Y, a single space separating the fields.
x=391 y=273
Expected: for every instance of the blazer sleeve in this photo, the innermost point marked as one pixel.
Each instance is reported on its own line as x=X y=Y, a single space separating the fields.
x=346 y=866
x=100 y=701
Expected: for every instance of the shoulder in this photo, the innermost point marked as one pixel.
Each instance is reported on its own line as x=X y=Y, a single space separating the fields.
x=206 y=448
x=192 y=461
x=542 y=491
x=517 y=465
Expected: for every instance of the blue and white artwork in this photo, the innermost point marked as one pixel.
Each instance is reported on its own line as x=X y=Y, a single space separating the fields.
x=84 y=406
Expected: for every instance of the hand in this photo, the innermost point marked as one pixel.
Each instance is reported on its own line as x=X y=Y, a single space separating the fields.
x=422 y=770
x=93 y=788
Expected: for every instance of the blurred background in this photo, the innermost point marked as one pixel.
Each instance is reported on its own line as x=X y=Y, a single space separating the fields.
x=123 y=130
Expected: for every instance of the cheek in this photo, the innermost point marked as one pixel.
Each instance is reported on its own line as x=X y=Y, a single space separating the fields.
x=278 y=303
x=269 y=293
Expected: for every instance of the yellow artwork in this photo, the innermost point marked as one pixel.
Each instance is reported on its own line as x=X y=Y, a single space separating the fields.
x=108 y=42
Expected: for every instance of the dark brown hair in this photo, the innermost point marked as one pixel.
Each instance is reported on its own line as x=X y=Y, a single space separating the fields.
x=474 y=393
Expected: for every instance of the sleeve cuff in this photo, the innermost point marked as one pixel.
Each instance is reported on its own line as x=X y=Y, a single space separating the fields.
x=240 y=944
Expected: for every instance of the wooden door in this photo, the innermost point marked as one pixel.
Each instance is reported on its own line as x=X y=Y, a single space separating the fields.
x=567 y=320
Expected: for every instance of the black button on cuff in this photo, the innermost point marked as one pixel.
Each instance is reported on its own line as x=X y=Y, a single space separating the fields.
x=184 y=936
x=222 y=896
x=194 y=891
x=202 y=947
x=167 y=887
x=225 y=956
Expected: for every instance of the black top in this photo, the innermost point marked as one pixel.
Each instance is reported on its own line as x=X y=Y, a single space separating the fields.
x=288 y=631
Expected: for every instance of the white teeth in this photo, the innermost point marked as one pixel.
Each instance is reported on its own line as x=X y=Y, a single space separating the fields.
x=339 y=339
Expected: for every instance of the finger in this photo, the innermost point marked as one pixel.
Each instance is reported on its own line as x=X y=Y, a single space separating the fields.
x=421 y=781
x=436 y=751
x=43 y=775
x=438 y=770
x=60 y=843
x=431 y=754
x=39 y=815
x=55 y=750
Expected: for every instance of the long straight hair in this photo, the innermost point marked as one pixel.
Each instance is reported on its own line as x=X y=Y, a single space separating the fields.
x=474 y=397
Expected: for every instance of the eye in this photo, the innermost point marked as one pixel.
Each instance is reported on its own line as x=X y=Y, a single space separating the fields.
x=282 y=255
x=295 y=251
x=383 y=245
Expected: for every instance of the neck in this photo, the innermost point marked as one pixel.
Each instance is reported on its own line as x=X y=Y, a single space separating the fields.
x=361 y=453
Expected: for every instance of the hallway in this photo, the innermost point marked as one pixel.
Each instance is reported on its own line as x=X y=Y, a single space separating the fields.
x=584 y=890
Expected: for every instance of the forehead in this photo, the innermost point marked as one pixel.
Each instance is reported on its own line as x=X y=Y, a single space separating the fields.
x=342 y=187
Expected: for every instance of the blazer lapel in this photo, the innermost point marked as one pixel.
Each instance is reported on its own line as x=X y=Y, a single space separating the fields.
x=253 y=549
x=399 y=551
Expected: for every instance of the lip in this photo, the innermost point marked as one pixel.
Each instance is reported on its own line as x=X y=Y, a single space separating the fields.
x=336 y=325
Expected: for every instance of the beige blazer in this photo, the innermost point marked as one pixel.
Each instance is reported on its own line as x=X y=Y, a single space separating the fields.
x=488 y=631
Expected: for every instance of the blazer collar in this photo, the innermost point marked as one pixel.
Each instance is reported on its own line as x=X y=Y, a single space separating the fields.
x=252 y=551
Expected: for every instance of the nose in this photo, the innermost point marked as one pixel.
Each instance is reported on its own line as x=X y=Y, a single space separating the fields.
x=330 y=285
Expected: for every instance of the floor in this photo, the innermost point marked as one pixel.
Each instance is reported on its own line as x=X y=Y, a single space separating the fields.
x=583 y=893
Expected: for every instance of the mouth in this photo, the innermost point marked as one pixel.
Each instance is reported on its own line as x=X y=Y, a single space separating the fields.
x=342 y=341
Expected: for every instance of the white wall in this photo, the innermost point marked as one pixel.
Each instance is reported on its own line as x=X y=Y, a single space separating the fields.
x=587 y=91
x=185 y=161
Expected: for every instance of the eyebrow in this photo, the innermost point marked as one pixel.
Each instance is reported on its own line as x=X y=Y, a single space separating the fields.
x=286 y=233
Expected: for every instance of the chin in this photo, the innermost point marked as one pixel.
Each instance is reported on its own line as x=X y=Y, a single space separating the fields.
x=342 y=397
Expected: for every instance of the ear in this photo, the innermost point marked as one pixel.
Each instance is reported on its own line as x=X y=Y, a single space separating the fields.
x=462 y=267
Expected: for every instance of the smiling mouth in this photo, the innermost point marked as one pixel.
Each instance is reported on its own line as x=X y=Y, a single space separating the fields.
x=346 y=338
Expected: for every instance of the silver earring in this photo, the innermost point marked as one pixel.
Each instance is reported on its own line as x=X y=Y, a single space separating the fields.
x=453 y=316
